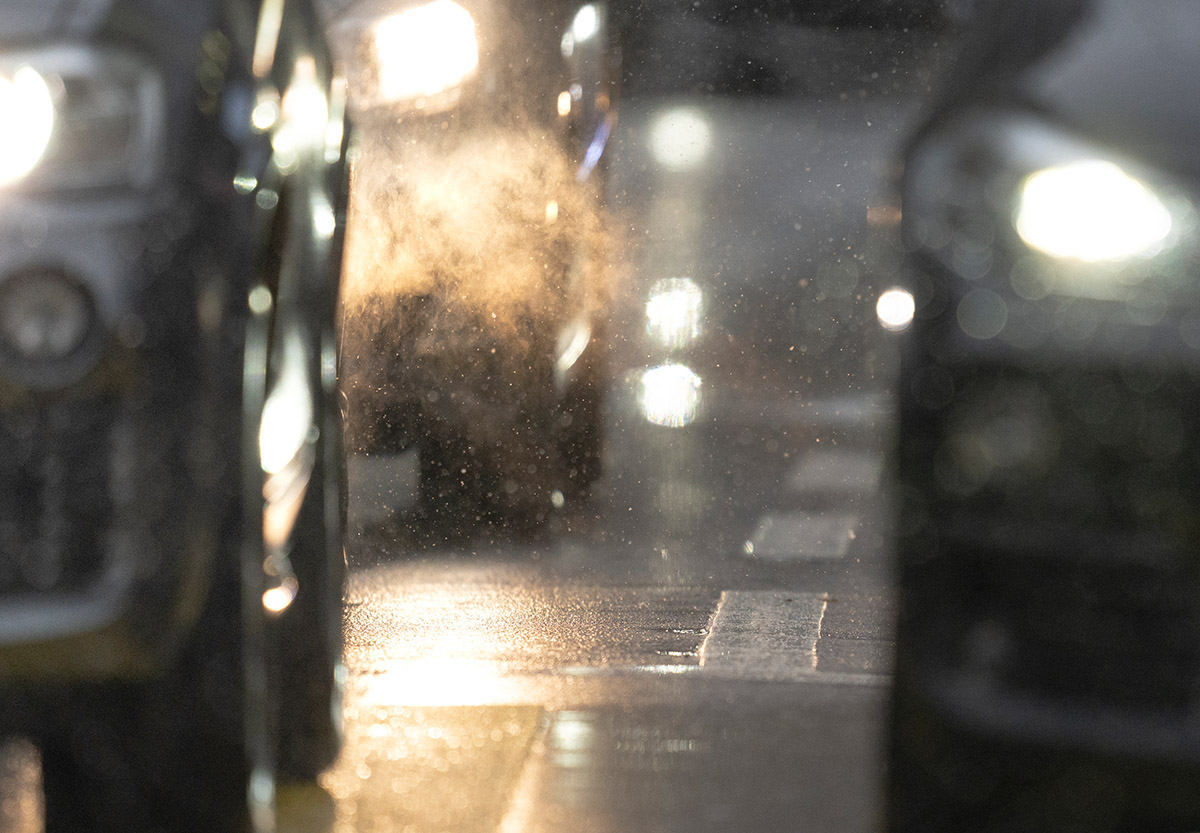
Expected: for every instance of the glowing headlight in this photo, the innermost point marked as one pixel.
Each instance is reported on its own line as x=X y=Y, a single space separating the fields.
x=78 y=118
x=26 y=122
x=586 y=24
x=425 y=53
x=895 y=309
x=670 y=395
x=680 y=138
x=1091 y=210
x=1014 y=202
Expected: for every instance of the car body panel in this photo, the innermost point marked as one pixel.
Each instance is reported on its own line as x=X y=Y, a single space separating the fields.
x=1047 y=546
x=128 y=468
x=476 y=287
x=1123 y=73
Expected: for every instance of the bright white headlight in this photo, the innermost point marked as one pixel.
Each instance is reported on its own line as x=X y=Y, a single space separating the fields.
x=26 y=123
x=895 y=309
x=425 y=52
x=1092 y=211
x=74 y=117
x=586 y=24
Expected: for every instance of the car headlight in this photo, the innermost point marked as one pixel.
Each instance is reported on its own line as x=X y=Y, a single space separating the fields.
x=424 y=54
x=78 y=118
x=1015 y=206
x=27 y=116
x=1091 y=210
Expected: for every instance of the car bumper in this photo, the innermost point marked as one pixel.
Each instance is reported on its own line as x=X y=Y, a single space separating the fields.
x=111 y=465
x=1050 y=504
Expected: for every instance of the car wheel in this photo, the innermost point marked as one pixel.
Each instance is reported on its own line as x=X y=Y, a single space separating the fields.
x=468 y=481
x=580 y=427
x=180 y=753
x=310 y=670
x=306 y=647
x=917 y=798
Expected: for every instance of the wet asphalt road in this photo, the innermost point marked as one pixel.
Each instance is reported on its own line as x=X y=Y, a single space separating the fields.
x=704 y=645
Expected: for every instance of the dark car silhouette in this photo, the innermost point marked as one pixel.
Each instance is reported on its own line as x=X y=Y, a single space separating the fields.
x=1049 y=475
x=477 y=287
x=173 y=184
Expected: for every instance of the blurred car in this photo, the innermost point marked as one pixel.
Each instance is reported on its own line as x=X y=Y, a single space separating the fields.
x=1048 y=531
x=173 y=186
x=475 y=274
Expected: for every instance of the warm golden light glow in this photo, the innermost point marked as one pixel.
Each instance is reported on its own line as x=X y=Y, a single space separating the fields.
x=305 y=107
x=270 y=22
x=279 y=598
x=26 y=123
x=435 y=681
x=895 y=310
x=1092 y=211
x=674 y=312
x=425 y=51
x=564 y=103
x=670 y=395
x=305 y=117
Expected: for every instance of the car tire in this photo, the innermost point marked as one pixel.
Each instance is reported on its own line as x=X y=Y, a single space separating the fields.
x=174 y=753
x=580 y=427
x=309 y=666
x=916 y=799
x=467 y=484
x=943 y=779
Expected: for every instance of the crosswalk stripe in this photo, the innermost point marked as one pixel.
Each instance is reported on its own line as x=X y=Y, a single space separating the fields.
x=801 y=536
x=771 y=635
x=836 y=470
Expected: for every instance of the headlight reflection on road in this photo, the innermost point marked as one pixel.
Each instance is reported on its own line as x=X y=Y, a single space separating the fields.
x=670 y=395
x=674 y=312
x=441 y=681
x=895 y=310
x=26 y=123
x=680 y=138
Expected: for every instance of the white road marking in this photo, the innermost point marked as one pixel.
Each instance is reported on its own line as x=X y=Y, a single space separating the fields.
x=863 y=411
x=771 y=635
x=836 y=470
x=802 y=536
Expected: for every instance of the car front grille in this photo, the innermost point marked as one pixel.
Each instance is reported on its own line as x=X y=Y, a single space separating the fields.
x=1053 y=532
x=56 y=504
x=1123 y=635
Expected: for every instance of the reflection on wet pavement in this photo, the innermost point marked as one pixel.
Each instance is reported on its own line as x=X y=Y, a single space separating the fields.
x=705 y=644
x=20 y=783
x=431 y=769
x=513 y=705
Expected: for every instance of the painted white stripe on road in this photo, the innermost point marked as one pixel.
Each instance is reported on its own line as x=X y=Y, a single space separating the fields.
x=802 y=536
x=865 y=411
x=836 y=470
x=770 y=636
